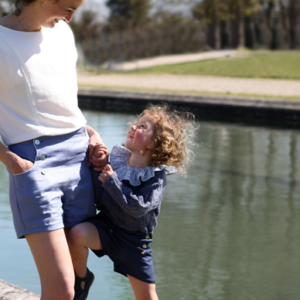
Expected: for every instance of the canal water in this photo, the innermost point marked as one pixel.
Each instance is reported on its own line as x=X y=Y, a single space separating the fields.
x=227 y=231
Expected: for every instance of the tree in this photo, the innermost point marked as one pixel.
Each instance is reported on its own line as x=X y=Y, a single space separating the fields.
x=289 y=14
x=128 y=13
x=270 y=9
x=240 y=11
x=214 y=13
x=87 y=28
x=226 y=18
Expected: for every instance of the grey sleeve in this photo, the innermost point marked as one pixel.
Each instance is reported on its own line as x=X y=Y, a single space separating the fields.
x=137 y=203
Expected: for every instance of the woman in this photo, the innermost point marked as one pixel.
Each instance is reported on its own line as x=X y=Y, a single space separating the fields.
x=45 y=136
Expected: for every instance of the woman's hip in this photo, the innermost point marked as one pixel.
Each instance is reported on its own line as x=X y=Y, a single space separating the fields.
x=57 y=191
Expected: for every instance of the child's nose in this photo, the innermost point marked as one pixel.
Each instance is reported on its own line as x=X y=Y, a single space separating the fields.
x=133 y=127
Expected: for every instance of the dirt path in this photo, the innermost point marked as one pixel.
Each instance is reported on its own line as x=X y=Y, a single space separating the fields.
x=270 y=87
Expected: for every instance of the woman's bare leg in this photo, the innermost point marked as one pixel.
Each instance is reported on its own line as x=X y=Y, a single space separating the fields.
x=143 y=290
x=52 y=257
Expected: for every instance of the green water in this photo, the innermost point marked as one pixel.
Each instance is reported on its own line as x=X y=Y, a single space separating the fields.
x=228 y=231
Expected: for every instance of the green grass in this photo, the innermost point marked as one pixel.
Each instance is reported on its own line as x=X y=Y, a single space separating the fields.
x=245 y=96
x=275 y=65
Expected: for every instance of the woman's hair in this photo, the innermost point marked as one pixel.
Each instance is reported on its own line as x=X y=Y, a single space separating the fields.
x=18 y=4
x=172 y=138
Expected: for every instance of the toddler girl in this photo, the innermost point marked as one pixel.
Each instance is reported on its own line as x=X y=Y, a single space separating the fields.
x=128 y=193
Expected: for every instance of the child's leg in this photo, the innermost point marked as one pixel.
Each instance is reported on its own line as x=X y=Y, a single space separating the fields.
x=143 y=290
x=80 y=238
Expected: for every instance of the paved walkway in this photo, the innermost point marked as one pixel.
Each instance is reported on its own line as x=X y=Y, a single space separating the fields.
x=270 y=87
x=173 y=59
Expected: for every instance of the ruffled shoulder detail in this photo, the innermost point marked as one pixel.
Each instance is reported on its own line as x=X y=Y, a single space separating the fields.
x=119 y=162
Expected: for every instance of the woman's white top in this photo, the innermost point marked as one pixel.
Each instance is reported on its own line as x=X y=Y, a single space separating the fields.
x=38 y=84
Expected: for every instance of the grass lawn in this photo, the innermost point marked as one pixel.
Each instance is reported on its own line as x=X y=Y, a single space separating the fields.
x=276 y=65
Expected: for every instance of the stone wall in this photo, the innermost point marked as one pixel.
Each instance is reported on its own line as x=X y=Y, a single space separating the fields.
x=10 y=291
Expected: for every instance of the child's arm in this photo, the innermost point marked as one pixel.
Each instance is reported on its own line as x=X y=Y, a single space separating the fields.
x=138 y=203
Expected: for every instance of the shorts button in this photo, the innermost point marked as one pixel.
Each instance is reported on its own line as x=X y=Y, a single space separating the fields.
x=147 y=236
x=37 y=142
x=143 y=252
x=43 y=157
x=144 y=246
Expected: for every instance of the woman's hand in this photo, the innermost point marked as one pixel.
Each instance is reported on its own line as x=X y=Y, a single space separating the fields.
x=17 y=165
x=98 y=153
x=100 y=157
x=106 y=173
x=14 y=163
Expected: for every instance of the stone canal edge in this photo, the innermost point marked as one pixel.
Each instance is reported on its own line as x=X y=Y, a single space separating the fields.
x=10 y=291
x=250 y=110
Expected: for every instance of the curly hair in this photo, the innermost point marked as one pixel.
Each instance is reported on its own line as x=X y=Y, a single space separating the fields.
x=172 y=138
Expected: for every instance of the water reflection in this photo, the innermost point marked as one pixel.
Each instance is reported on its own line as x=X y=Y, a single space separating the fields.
x=228 y=231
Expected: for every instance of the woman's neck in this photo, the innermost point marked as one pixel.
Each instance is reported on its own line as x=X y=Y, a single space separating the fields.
x=20 y=23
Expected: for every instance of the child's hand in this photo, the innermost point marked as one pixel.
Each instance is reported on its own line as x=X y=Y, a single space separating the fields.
x=106 y=173
x=100 y=156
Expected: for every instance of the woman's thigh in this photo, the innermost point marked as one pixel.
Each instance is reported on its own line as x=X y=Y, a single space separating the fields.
x=51 y=254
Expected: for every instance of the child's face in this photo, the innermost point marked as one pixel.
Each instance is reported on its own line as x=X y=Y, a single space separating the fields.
x=139 y=138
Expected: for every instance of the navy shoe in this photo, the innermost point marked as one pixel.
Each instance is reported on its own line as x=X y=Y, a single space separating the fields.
x=81 y=294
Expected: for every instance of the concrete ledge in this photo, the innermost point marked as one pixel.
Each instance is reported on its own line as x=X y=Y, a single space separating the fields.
x=259 y=111
x=10 y=291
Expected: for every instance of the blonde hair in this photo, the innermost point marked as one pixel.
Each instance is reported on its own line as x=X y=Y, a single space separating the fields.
x=172 y=138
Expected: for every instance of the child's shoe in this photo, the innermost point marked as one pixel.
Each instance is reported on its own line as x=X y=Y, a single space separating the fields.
x=81 y=294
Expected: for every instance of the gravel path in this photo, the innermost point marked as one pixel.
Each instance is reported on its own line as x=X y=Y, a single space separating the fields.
x=174 y=59
x=271 y=87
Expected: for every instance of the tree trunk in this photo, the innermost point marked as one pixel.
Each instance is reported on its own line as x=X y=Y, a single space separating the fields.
x=216 y=24
x=241 y=26
x=293 y=12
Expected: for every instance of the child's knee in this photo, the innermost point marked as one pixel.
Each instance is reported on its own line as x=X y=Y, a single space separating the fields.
x=77 y=235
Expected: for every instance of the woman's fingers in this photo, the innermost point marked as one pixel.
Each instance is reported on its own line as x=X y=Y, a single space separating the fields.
x=19 y=165
x=100 y=162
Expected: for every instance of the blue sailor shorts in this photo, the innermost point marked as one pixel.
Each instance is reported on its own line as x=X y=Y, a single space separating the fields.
x=130 y=252
x=57 y=191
